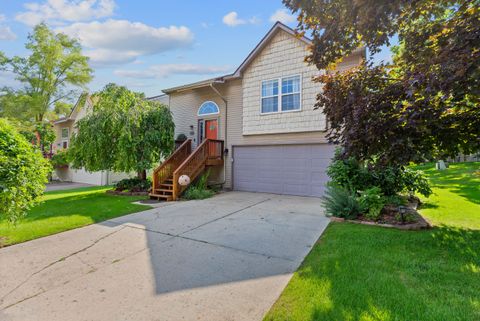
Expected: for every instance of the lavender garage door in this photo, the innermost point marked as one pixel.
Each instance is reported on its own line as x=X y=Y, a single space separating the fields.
x=282 y=169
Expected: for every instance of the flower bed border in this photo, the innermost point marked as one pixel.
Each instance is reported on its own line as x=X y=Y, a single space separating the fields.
x=422 y=223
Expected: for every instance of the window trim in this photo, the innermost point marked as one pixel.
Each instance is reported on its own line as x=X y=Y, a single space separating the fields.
x=271 y=96
x=280 y=94
x=209 y=114
x=68 y=133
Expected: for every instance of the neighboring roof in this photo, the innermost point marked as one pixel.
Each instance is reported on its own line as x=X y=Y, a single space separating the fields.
x=156 y=97
x=62 y=120
x=251 y=56
x=84 y=97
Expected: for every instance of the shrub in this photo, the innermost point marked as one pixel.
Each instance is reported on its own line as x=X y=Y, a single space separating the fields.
x=203 y=180
x=60 y=159
x=406 y=218
x=357 y=176
x=372 y=202
x=416 y=182
x=396 y=200
x=199 y=190
x=349 y=174
x=341 y=202
x=23 y=173
x=195 y=193
x=133 y=185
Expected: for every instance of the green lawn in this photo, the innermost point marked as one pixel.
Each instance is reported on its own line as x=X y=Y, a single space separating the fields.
x=358 y=272
x=456 y=195
x=68 y=209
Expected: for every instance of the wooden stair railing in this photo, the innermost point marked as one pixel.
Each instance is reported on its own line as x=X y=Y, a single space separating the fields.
x=209 y=152
x=163 y=173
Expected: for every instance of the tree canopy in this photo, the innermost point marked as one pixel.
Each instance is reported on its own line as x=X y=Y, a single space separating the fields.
x=51 y=74
x=23 y=173
x=124 y=132
x=424 y=104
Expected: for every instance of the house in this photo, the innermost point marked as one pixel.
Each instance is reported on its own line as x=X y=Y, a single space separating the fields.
x=263 y=115
x=162 y=99
x=64 y=128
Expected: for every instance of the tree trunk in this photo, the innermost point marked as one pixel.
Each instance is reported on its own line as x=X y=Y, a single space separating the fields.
x=142 y=174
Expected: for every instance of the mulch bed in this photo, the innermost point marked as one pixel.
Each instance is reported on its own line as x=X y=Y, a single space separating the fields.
x=126 y=193
x=389 y=218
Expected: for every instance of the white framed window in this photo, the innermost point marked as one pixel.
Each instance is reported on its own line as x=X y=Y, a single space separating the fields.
x=65 y=132
x=208 y=108
x=281 y=95
x=270 y=96
x=291 y=93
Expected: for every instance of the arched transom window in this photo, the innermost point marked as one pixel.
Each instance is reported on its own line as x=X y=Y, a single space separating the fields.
x=208 y=108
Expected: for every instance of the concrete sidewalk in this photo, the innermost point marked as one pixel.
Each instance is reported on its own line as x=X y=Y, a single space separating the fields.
x=57 y=186
x=225 y=258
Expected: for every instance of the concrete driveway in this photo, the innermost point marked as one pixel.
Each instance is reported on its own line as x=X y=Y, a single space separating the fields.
x=225 y=258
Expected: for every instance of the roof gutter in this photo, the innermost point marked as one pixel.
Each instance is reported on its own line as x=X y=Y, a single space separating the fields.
x=62 y=120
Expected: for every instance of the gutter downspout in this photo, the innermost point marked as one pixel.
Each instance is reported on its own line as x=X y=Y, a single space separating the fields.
x=226 y=127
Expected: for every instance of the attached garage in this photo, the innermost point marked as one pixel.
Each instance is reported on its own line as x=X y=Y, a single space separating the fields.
x=282 y=169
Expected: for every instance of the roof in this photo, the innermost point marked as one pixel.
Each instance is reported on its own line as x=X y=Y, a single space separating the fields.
x=156 y=97
x=265 y=40
x=84 y=97
x=238 y=72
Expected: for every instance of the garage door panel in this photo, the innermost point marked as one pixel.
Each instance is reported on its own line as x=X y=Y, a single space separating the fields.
x=293 y=176
x=319 y=176
x=271 y=176
x=284 y=169
x=318 y=190
x=296 y=189
x=320 y=164
x=268 y=187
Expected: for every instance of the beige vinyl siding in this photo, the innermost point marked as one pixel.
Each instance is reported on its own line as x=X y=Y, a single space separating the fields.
x=282 y=57
x=57 y=145
x=184 y=108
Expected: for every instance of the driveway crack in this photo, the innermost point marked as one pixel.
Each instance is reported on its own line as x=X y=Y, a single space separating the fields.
x=55 y=262
x=224 y=216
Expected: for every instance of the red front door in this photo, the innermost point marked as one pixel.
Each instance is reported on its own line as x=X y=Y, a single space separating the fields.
x=211 y=129
x=211 y=132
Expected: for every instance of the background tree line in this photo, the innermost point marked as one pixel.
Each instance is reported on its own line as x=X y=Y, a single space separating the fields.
x=123 y=132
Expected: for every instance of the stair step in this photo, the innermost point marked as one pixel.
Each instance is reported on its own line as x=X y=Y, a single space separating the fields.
x=165 y=197
x=163 y=190
x=167 y=185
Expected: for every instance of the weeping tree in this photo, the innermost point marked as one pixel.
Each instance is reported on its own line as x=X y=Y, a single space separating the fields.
x=426 y=104
x=123 y=133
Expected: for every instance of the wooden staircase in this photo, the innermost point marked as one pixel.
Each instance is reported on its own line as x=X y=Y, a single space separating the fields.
x=184 y=161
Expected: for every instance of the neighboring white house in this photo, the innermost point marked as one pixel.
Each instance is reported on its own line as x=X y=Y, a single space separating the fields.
x=64 y=127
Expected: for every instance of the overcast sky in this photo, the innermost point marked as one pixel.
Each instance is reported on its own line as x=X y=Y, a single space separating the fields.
x=148 y=45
